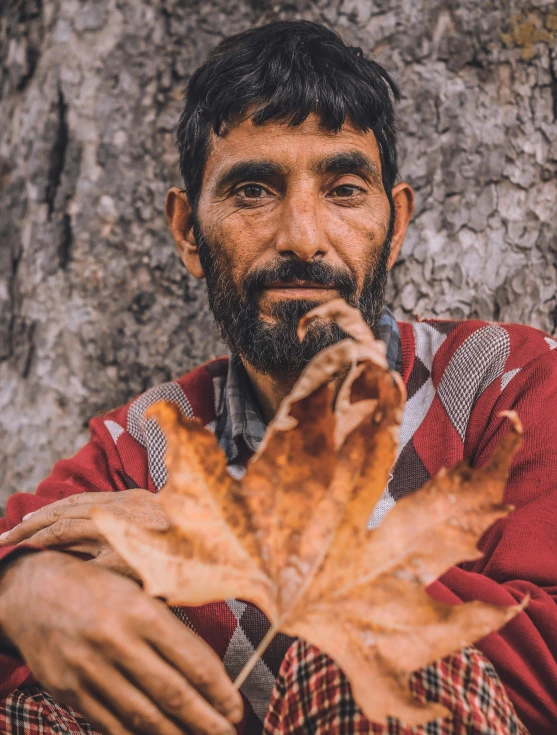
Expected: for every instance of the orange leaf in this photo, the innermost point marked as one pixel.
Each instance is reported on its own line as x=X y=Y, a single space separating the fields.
x=291 y=536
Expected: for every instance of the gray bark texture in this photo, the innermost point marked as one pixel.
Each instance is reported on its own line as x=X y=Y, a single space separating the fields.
x=94 y=304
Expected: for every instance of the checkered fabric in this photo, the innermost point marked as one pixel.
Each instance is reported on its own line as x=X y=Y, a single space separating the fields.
x=459 y=376
x=147 y=431
x=235 y=629
x=312 y=696
x=33 y=712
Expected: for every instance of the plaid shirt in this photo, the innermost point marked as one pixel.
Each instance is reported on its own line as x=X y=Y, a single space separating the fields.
x=312 y=695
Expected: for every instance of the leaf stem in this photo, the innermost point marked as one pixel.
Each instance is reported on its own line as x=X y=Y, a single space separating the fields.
x=256 y=655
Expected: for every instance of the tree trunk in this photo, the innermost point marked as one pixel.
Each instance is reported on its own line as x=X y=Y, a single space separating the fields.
x=94 y=303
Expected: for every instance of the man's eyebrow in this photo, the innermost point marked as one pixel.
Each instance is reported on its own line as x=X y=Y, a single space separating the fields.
x=242 y=170
x=350 y=162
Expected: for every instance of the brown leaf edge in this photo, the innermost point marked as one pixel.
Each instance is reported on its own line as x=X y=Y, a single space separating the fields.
x=354 y=350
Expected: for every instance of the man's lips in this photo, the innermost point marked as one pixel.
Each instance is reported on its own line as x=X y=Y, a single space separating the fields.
x=299 y=290
x=303 y=285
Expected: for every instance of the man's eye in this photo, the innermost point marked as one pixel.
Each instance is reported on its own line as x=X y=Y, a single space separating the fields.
x=346 y=190
x=251 y=191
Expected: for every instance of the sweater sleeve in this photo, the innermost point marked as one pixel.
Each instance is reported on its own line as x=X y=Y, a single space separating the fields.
x=95 y=468
x=520 y=551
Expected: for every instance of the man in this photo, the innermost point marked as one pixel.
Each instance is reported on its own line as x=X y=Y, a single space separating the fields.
x=288 y=153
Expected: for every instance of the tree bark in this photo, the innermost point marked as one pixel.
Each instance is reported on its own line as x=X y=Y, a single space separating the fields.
x=94 y=304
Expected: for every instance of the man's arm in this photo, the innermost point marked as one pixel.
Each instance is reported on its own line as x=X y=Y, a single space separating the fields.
x=521 y=550
x=96 y=467
x=95 y=641
x=92 y=638
x=66 y=525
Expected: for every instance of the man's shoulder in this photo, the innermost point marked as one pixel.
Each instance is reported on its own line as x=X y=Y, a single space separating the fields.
x=474 y=345
x=193 y=392
x=461 y=370
x=139 y=440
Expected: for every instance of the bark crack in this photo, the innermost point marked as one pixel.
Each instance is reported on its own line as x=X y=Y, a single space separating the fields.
x=11 y=302
x=66 y=240
x=553 y=83
x=57 y=154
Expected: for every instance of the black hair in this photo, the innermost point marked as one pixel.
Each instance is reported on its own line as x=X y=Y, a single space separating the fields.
x=285 y=71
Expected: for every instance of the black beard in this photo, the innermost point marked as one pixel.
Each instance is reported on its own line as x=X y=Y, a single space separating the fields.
x=275 y=348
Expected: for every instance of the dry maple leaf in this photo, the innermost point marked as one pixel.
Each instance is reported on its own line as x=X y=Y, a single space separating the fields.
x=291 y=535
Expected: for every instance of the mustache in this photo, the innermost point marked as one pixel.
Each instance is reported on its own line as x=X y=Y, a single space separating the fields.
x=289 y=271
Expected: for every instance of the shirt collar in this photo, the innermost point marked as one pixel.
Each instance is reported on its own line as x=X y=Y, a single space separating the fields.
x=388 y=331
x=239 y=421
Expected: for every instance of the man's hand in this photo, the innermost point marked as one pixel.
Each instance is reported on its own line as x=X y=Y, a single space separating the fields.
x=95 y=641
x=66 y=525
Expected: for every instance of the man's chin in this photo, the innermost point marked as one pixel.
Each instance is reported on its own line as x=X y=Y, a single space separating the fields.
x=271 y=345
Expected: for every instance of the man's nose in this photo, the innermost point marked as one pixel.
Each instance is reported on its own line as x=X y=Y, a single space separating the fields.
x=300 y=231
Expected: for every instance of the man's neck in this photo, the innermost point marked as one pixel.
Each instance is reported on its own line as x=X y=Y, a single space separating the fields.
x=269 y=389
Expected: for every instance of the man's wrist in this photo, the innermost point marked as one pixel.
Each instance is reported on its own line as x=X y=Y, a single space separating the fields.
x=14 y=580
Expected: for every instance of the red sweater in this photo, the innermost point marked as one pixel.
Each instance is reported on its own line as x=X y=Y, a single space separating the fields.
x=459 y=376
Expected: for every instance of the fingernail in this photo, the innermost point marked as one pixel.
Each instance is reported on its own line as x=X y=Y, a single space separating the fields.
x=32 y=513
x=4 y=535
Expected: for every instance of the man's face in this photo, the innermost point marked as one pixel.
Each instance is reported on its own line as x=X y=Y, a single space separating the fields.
x=288 y=218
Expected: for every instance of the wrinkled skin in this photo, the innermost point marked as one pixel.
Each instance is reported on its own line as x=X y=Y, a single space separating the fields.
x=304 y=208
x=66 y=525
x=117 y=656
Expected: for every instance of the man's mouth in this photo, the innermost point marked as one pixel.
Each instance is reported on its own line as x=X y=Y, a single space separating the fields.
x=298 y=288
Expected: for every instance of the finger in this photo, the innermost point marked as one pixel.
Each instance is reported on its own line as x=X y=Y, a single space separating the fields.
x=141 y=711
x=193 y=658
x=90 y=499
x=98 y=715
x=47 y=516
x=109 y=559
x=74 y=506
x=176 y=696
x=79 y=534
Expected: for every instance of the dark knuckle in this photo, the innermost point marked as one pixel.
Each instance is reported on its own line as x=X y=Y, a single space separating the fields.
x=202 y=680
x=146 y=720
x=143 y=611
x=102 y=634
x=71 y=656
x=204 y=677
x=56 y=512
x=60 y=530
x=66 y=689
x=176 y=698
x=136 y=719
x=82 y=669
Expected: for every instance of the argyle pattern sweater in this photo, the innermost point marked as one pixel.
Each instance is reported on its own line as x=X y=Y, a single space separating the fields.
x=459 y=377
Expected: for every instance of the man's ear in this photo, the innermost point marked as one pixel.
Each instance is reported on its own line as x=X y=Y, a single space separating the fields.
x=180 y=220
x=403 y=202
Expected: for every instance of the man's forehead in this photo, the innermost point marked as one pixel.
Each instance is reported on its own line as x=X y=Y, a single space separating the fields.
x=307 y=145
